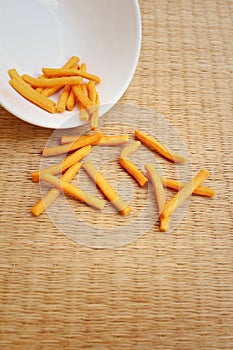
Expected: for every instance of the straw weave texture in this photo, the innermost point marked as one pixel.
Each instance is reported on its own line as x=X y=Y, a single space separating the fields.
x=162 y=291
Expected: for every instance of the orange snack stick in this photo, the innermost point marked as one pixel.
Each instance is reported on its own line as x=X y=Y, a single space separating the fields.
x=133 y=170
x=111 y=140
x=72 y=98
x=74 y=191
x=114 y=140
x=60 y=72
x=86 y=102
x=79 y=143
x=106 y=188
x=30 y=94
x=51 y=82
x=176 y=185
x=95 y=113
x=52 y=194
x=129 y=166
x=84 y=114
x=65 y=164
x=91 y=91
x=131 y=148
x=160 y=194
x=71 y=63
x=61 y=105
x=158 y=147
x=85 y=90
x=40 y=90
x=83 y=67
x=13 y=73
x=184 y=193
x=70 y=103
x=70 y=139
x=165 y=223
x=50 y=91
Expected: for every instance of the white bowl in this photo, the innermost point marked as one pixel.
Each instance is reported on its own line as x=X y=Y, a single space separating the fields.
x=105 y=34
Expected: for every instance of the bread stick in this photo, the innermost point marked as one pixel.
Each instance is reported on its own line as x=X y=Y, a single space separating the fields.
x=30 y=94
x=65 y=164
x=158 y=147
x=52 y=194
x=106 y=188
x=74 y=191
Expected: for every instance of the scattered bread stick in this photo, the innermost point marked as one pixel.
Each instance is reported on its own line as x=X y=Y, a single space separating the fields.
x=184 y=193
x=30 y=94
x=111 y=140
x=74 y=191
x=51 y=82
x=106 y=188
x=158 y=147
x=129 y=149
x=95 y=113
x=79 y=143
x=63 y=165
x=61 y=105
x=60 y=72
x=51 y=195
x=129 y=166
x=86 y=102
x=132 y=169
x=176 y=185
x=70 y=139
x=114 y=140
x=160 y=194
x=164 y=223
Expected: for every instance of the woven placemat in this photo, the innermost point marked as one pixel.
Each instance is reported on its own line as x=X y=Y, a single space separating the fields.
x=162 y=290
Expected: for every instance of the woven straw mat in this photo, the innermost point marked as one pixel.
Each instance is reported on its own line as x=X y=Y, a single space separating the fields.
x=167 y=291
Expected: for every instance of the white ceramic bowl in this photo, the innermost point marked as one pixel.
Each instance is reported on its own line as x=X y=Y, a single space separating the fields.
x=105 y=34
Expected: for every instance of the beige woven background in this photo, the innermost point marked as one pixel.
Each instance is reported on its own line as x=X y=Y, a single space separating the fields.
x=163 y=291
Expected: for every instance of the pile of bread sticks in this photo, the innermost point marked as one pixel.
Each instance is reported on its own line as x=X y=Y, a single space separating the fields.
x=77 y=148
x=75 y=84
